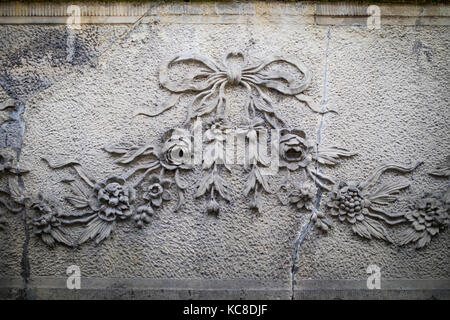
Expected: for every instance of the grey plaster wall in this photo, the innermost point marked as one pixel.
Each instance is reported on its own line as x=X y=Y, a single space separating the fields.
x=389 y=85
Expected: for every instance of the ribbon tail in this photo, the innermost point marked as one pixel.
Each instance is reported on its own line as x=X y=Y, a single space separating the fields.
x=166 y=105
x=312 y=105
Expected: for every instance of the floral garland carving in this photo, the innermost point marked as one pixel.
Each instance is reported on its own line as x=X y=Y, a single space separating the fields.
x=155 y=169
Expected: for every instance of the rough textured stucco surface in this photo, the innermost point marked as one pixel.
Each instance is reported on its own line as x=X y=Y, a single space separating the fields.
x=390 y=87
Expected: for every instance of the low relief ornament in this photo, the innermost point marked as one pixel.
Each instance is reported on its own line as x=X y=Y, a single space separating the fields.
x=212 y=183
x=155 y=169
x=48 y=223
x=361 y=203
x=428 y=215
x=12 y=197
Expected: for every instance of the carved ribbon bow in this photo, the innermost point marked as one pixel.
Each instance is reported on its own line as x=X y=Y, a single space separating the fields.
x=210 y=81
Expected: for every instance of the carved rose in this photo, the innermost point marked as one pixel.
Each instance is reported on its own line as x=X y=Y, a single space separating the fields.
x=177 y=149
x=111 y=199
x=295 y=149
x=155 y=190
x=347 y=202
x=303 y=196
x=429 y=214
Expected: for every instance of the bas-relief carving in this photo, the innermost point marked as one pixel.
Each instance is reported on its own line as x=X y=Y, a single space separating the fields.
x=11 y=195
x=428 y=215
x=155 y=174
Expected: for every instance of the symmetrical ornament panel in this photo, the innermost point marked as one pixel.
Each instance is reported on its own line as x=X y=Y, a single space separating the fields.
x=154 y=171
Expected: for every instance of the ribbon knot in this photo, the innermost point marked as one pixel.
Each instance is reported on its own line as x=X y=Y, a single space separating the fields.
x=234 y=74
x=209 y=82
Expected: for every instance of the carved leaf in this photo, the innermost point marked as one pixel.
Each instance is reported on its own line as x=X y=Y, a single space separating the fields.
x=442 y=170
x=221 y=187
x=373 y=178
x=178 y=181
x=180 y=200
x=424 y=240
x=76 y=188
x=251 y=182
x=60 y=235
x=410 y=235
x=386 y=193
x=369 y=228
x=78 y=202
x=332 y=155
x=130 y=154
x=98 y=229
x=76 y=165
x=48 y=239
x=262 y=180
x=204 y=185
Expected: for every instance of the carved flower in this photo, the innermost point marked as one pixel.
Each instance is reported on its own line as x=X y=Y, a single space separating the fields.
x=112 y=199
x=295 y=149
x=303 y=196
x=215 y=138
x=429 y=213
x=177 y=149
x=347 y=202
x=47 y=223
x=155 y=190
x=215 y=129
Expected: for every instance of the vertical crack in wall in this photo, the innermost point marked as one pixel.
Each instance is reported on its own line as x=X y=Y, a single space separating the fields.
x=25 y=262
x=304 y=230
x=15 y=127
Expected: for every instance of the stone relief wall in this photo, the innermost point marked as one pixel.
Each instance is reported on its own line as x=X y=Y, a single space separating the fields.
x=102 y=170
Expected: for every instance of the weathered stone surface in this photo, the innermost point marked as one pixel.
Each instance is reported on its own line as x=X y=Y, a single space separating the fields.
x=78 y=91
